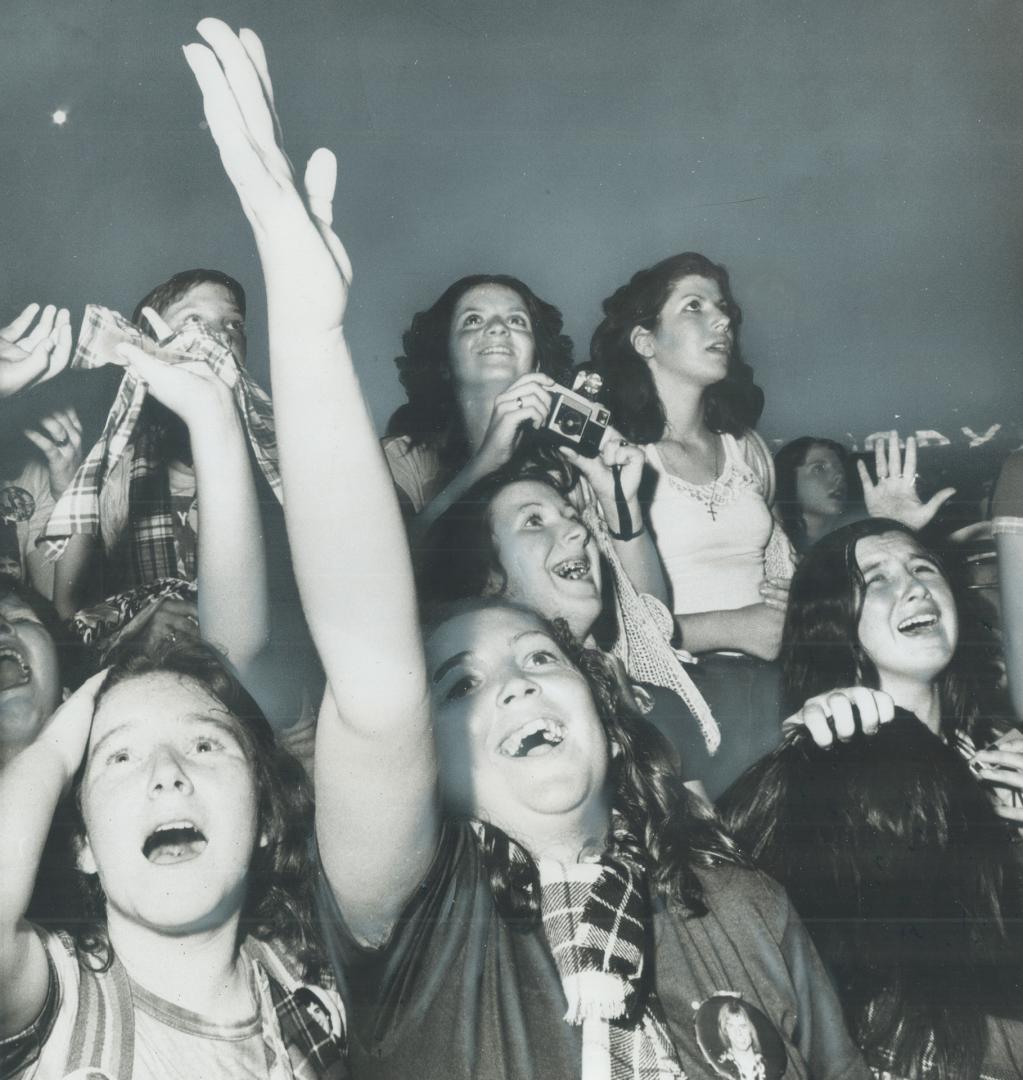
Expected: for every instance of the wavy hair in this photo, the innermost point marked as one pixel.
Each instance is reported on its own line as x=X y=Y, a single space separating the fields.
x=278 y=901
x=431 y=416
x=786 y=502
x=821 y=648
x=733 y=405
x=907 y=881
x=674 y=832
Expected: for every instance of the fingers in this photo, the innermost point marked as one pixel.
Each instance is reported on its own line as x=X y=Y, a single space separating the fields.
x=246 y=84
x=41 y=330
x=909 y=467
x=14 y=329
x=865 y=479
x=837 y=714
x=775 y=593
x=156 y=321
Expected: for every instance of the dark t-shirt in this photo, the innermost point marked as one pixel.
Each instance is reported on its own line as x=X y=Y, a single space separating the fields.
x=460 y=992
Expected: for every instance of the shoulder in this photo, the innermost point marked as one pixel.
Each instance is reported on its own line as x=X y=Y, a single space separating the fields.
x=1008 y=497
x=747 y=898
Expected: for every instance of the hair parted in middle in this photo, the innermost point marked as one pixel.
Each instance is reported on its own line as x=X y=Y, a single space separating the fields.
x=733 y=405
x=821 y=648
x=789 y=458
x=278 y=901
x=675 y=832
x=430 y=417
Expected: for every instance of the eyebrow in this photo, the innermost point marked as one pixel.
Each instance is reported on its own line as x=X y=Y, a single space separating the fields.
x=193 y=718
x=472 y=308
x=451 y=662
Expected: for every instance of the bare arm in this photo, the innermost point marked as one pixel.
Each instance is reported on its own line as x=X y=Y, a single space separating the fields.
x=31 y=784
x=375 y=772
x=73 y=572
x=755 y=630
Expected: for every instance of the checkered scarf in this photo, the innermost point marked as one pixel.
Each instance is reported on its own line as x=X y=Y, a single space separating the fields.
x=150 y=520
x=596 y=916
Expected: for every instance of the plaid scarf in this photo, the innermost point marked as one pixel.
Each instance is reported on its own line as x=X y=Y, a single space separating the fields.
x=596 y=916
x=150 y=519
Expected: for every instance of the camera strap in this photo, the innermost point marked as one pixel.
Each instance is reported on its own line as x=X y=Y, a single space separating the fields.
x=625 y=525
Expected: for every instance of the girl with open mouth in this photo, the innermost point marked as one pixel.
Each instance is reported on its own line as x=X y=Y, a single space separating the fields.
x=188 y=830
x=514 y=882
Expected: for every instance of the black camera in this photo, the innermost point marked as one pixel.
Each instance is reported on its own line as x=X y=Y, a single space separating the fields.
x=577 y=419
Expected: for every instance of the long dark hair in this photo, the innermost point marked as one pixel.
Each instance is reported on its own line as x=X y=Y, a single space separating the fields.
x=278 y=902
x=786 y=502
x=431 y=416
x=674 y=832
x=733 y=405
x=821 y=649
x=907 y=881
x=457 y=558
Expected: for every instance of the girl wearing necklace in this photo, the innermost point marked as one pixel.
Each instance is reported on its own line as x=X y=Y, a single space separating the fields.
x=668 y=352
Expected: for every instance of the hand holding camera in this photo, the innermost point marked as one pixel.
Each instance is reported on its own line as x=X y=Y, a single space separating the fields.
x=526 y=403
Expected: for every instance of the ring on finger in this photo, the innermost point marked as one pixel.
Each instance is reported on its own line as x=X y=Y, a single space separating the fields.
x=62 y=441
x=172 y=637
x=518 y=403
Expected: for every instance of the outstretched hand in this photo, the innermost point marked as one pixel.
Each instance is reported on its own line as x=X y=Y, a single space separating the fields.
x=300 y=251
x=894 y=495
x=32 y=356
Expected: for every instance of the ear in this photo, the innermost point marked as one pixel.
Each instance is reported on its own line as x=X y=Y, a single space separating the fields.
x=84 y=859
x=65 y=693
x=496 y=584
x=642 y=340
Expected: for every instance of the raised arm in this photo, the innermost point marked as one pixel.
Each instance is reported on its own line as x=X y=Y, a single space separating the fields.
x=31 y=784
x=231 y=571
x=375 y=771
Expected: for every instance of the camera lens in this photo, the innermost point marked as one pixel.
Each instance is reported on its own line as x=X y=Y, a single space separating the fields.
x=569 y=421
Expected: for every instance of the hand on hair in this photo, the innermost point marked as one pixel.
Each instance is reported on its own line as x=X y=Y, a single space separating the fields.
x=894 y=495
x=841 y=713
x=32 y=356
x=164 y=621
x=1000 y=766
x=59 y=437
x=66 y=733
x=304 y=262
x=525 y=403
x=614 y=451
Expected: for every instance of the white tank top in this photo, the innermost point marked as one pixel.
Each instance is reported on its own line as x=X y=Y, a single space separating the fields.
x=712 y=537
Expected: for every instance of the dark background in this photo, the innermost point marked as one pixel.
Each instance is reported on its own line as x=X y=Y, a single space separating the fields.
x=856 y=166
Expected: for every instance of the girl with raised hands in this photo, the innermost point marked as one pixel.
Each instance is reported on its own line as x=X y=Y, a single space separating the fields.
x=189 y=830
x=480 y=811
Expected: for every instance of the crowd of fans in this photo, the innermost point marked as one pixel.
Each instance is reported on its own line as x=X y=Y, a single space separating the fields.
x=566 y=733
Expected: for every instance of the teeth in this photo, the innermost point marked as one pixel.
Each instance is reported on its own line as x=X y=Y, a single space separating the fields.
x=13 y=669
x=173 y=842
x=916 y=622
x=572 y=569
x=183 y=824
x=540 y=732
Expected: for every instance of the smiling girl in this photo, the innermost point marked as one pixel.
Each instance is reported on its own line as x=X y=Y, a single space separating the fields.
x=514 y=883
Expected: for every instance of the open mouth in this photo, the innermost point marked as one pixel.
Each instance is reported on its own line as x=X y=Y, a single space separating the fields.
x=572 y=569
x=175 y=842
x=917 y=624
x=537 y=737
x=13 y=669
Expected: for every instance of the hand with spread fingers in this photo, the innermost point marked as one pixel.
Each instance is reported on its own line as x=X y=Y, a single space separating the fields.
x=840 y=713
x=894 y=494
x=302 y=257
x=30 y=356
x=59 y=436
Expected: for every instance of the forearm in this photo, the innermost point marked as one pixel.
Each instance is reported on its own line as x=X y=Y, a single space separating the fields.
x=640 y=559
x=347 y=536
x=232 y=574
x=30 y=788
x=473 y=471
x=72 y=573
x=1010 y=584
x=707 y=631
